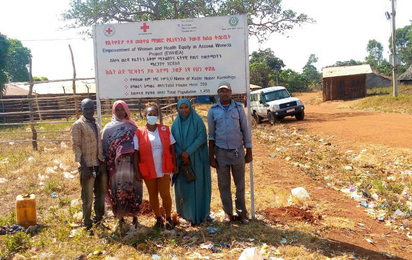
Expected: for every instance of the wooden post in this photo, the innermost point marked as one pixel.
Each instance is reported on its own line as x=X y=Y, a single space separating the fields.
x=65 y=104
x=160 y=111
x=170 y=109
x=76 y=108
x=140 y=108
x=38 y=107
x=4 y=119
x=30 y=98
x=88 y=90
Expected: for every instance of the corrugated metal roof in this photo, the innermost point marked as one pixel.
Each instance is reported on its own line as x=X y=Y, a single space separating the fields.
x=13 y=90
x=331 y=72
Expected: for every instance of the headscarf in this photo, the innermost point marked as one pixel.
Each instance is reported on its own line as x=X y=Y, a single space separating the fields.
x=185 y=128
x=192 y=199
x=117 y=137
x=126 y=109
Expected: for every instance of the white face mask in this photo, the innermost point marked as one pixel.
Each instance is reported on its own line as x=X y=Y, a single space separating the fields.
x=151 y=120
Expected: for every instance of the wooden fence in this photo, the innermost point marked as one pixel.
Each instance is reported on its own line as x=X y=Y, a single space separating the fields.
x=51 y=109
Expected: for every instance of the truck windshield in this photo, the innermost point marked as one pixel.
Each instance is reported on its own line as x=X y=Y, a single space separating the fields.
x=275 y=95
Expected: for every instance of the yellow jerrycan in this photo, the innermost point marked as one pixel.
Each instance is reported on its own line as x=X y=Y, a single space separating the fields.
x=26 y=210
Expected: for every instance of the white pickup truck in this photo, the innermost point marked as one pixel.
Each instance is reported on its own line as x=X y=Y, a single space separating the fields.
x=275 y=103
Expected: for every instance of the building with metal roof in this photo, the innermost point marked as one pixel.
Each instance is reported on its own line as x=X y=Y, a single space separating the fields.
x=345 y=82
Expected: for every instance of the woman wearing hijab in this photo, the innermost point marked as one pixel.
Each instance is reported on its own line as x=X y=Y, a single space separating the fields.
x=125 y=184
x=192 y=199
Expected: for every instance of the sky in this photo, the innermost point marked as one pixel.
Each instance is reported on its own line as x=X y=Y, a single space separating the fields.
x=341 y=32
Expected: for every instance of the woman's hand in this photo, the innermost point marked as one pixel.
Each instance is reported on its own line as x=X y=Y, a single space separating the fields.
x=185 y=158
x=184 y=155
x=138 y=176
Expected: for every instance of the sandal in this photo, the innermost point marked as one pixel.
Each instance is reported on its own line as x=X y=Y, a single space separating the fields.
x=169 y=224
x=159 y=223
x=135 y=222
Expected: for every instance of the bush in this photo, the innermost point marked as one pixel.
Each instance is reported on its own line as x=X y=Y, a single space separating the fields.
x=16 y=243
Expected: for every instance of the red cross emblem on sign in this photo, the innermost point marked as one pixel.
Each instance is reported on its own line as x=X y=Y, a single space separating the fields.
x=109 y=31
x=144 y=27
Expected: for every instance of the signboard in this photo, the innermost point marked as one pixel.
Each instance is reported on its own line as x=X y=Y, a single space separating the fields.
x=186 y=57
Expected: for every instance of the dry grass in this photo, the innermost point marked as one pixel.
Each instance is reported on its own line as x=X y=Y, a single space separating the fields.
x=316 y=100
x=382 y=100
x=53 y=170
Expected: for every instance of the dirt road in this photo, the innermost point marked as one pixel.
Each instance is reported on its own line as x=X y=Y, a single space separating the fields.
x=351 y=128
x=389 y=129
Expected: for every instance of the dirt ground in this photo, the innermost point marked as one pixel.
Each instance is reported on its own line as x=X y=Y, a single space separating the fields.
x=352 y=231
x=393 y=130
x=369 y=238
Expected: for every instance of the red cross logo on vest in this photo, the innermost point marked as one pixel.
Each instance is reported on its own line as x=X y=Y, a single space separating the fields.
x=144 y=27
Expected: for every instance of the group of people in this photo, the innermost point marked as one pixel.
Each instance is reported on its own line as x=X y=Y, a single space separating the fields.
x=114 y=162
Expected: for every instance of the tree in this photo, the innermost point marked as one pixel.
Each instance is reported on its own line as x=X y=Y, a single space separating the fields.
x=13 y=60
x=375 y=58
x=293 y=81
x=268 y=57
x=310 y=72
x=385 y=68
x=375 y=50
x=4 y=49
x=40 y=78
x=17 y=59
x=260 y=74
x=347 y=63
x=264 y=16
x=403 y=44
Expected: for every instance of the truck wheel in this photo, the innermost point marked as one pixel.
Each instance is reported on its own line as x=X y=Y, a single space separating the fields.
x=300 y=116
x=272 y=118
x=257 y=118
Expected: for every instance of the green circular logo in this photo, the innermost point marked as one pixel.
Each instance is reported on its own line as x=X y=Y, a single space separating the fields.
x=233 y=21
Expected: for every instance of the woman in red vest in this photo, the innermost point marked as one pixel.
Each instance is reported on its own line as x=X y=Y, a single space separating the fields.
x=156 y=158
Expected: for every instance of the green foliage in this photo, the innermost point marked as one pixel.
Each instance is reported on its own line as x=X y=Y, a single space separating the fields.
x=17 y=59
x=260 y=74
x=404 y=44
x=8 y=220
x=268 y=57
x=13 y=60
x=264 y=66
x=18 y=242
x=348 y=63
x=375 y=58
x=386 y=68
x=375 y=50
x=51 y=186
x=293 y=81
x=264 y=16
x=4 y=49
x=40 y=78
x=311 y=73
